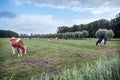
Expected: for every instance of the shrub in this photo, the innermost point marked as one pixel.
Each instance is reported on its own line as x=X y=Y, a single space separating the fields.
x=109 y=34
x=100 y=32
x=85 y=33
x=104 y=32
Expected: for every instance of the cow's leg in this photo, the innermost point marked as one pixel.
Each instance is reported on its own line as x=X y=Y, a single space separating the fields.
x=13 y=50
x=105 y=43
x=102 y=42
x=96 y=43
x=25 y=49
x=20 y=52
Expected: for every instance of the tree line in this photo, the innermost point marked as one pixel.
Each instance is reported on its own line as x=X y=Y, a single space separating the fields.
x=113 y=24
x=8 y=34
x=67 y=35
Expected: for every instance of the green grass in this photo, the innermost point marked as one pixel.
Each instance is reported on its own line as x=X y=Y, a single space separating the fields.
x=50 y=58
x=103 y=69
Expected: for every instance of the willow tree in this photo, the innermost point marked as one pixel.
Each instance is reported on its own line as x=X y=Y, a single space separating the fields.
x=104 y=33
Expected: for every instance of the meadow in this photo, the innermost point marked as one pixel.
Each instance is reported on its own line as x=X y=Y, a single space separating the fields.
x=45 y=60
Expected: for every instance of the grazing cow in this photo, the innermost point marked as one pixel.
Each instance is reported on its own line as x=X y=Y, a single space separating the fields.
x=102 y=41
x=49 y=40
x=17 y=43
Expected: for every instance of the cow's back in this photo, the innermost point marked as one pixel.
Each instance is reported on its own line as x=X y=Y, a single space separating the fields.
x=16 y=42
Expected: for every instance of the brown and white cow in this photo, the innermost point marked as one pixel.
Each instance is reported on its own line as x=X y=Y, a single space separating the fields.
x=50 y=40
x=17 y=43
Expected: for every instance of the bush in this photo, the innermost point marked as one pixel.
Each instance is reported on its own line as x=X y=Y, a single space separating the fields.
x=109 y=34
x=85 y=33
x=100 y=32
x=104 y=33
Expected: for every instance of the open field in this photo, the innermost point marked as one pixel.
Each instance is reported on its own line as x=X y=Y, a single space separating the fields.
x=51 y=58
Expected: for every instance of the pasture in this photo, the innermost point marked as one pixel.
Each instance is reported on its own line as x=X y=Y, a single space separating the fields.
x=44 y=58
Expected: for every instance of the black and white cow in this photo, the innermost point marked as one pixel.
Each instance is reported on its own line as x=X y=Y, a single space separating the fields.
x=102 y=41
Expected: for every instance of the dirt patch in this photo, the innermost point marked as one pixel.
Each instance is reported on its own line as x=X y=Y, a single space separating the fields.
x=97 y=53
x=38 y=63
x=26 y=65
x=34 y=63
x=108 y=51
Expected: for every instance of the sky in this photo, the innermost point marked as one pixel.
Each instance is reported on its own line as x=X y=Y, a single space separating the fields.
x=45 y=16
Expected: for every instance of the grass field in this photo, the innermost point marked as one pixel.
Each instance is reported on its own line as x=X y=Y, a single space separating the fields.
x=51 y=59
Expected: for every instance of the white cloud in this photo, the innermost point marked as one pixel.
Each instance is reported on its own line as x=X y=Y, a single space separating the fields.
x=94 y=6
x=31 y=23
x=38 y=23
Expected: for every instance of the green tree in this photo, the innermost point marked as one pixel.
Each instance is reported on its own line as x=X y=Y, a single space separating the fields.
x=63 y=29
x=109 y=34
x=8 y=34
x=104 y=33
x=101 y=32
x=75 y=28
x=117 y=26
x=85 y=33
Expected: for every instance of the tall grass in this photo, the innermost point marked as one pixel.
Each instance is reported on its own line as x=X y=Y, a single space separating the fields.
x=103 y=69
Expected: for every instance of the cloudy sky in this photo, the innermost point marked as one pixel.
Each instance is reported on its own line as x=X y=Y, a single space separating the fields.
x=44 y=16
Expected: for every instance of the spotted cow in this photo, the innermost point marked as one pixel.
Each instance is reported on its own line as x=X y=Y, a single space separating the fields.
x=17 y=44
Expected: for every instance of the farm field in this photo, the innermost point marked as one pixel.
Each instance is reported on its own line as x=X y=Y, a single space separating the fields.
x=51 y=59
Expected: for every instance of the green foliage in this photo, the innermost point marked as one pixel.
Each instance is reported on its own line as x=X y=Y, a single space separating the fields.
x=104 y=32
x=109 y=34
x=101 y=32
x=92 y=27
x=63 y=29
x=8 y=33
x=85 y=33
x=66 y=35
x=76 y=35
x=115 y=25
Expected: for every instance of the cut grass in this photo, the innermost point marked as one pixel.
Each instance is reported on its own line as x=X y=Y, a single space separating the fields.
x=51 y=58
